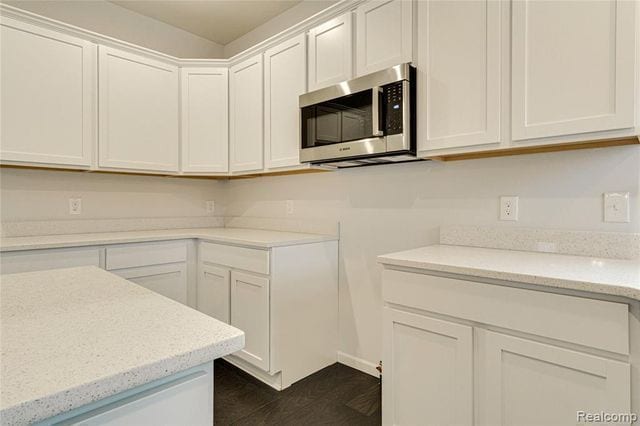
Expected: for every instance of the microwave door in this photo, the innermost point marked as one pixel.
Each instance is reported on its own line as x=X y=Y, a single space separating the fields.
x=328 y=125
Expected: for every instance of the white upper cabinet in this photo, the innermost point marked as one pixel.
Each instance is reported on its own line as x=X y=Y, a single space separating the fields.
x=331 y=52
x=205 y=124
x=138 y=104
x=573 y=67
x=285 y=79
x=246 y=132
x=47 y=97
x=459 y=56
x=384 y=34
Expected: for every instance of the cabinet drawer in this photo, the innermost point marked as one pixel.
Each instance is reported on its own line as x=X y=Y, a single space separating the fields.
x=253 y=260
x=594 y=323
x=40 y=260
x=134 y=255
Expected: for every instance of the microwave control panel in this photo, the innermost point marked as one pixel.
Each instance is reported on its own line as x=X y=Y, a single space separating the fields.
x=393 y=108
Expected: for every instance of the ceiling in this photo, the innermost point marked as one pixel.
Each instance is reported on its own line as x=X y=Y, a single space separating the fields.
x=220 y=21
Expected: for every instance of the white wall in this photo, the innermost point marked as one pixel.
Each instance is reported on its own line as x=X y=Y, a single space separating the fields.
x=112 y=20
x=288 y=18
x=383 y=209
x=44 y=195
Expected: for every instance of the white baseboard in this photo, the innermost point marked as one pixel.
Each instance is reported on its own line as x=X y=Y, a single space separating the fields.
x=358 y=363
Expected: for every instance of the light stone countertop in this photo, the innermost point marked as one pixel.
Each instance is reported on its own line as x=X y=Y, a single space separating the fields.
x=257 y=238
x=598 y=275
x=70 y=337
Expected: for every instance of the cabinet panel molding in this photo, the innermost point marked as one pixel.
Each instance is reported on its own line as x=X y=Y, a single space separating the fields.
x=384 y=34
x=138 y=110
x=285 y=79
x=525 y=382
x=250 y=312
x=459 y=73
x=573 y=66
x=434 y=356
x=246 y=115
x=331 y=52
x=48 y=100
x=205 y=125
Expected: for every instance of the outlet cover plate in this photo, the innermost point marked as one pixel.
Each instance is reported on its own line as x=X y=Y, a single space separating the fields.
x=75 y=205
x=509 y=208
x=616 y=207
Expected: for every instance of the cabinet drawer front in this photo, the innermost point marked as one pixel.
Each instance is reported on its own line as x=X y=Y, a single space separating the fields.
x=236 y=257
x=168 y=280
x=40 y=260
x=594 y=323
x=134 y=255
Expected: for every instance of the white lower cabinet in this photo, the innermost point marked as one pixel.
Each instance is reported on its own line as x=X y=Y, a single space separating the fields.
x=41 y=260
x=214 y=291
x=427 y=369
x=285 y=299
x=160 y=266
x=522 y=382
x=250 y=313
x=169 y=280
x=183 y=398
x=503 y=355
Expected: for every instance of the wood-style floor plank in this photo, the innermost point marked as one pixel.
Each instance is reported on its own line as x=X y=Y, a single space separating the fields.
x=336 y=395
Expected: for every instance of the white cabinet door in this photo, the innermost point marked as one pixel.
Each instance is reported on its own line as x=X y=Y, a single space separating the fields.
x=384 y=34
x=331 y=52
x=138 y=103
x=285 y=79
x=205 y=123
x=573 y=67
x=169 y=280
x=245 y=81
x=459 y=73
x=47 y=97
x=250 y=313
x=214 y=292
x=521 y=382
x=427 y=366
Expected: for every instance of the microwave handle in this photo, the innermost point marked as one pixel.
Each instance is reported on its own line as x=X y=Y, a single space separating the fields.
x=375 y=111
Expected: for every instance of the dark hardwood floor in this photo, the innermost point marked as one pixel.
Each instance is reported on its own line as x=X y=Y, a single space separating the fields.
x=336 y=395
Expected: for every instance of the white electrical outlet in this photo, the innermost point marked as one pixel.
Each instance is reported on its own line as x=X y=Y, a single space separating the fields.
x=616 y=207
x=509 y=208
x=211 y=207
x=290 y=209
x=75 y=205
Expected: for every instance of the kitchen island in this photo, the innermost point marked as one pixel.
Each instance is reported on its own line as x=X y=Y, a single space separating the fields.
x=82 y=345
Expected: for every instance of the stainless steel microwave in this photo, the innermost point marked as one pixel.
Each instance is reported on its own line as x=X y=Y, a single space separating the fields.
x=364 y=121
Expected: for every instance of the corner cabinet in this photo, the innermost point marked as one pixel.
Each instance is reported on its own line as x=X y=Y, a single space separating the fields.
x=460 y=351
x=138 y=104
x=331 y=52
x=290 y=328
x=245 y=115
x=205 y=125
x=285 y=79
x=573 y=66
x=384 y=34
x=459 y=73
x=47 y=97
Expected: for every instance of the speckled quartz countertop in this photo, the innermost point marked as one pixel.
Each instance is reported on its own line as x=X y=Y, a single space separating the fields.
x=73 y=336
x=237 y=236
x=606 y=276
